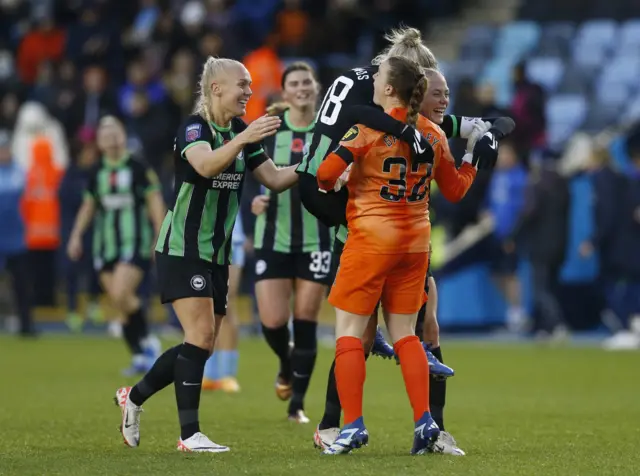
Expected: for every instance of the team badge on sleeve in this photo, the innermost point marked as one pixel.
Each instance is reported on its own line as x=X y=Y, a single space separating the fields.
x=351 y=134
x=192 y=132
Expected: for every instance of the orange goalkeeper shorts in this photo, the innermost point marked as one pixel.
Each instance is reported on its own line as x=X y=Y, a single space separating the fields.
x=363 y=279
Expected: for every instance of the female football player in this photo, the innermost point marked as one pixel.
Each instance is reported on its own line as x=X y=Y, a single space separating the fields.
x=387 y=250
x=213 y=149
x=292 y=248
x=124 y=201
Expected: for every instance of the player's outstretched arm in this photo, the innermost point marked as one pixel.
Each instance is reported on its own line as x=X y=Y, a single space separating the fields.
x=275 y=179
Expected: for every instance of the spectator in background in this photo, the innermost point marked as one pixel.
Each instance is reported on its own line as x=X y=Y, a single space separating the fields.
x=34 y=121
x=486 y=96
x=467 y=100
x=9 y=106
x=178 y=82
x=149 y=130
x=94 y=40
x=265 y=68
x=41 y=208
x=144 y=22
x=505 y=201
x=13 y=252
x=94 y=101
x=44 y=43
x=541 y=232
x=72 y=187
x=292 y=26
x=528 y=110
x=44 y=88
x=138 y=80
x=210 y=45
x=624 y=255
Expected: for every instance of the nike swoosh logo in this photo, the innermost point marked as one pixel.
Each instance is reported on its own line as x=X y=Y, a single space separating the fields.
x=319 y=276
x=297 y=375
x=189 y=384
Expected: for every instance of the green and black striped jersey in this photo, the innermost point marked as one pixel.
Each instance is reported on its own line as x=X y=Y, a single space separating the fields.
x=286 y=226
x=199 y=223
x=122 y=228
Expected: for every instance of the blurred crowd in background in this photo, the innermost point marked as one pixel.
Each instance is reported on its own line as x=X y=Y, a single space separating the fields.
x=548 y=242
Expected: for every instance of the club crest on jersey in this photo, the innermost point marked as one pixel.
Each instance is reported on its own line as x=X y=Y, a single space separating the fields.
x=192 y=132
x=351 y=134
x=240 y=156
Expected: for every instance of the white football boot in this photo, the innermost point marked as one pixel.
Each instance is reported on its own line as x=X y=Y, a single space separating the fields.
x=322 y=439
x=446 y=444
x=199 y=443
x=130 y=426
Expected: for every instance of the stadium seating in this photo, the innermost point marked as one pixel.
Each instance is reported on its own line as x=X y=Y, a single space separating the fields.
x=589 y=68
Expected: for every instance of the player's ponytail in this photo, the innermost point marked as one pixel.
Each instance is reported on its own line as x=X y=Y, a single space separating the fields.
x=407 y=43
x=410 y=85
x=415 y=103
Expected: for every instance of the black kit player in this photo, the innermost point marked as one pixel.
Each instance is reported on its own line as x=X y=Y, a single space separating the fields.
x=349 y=91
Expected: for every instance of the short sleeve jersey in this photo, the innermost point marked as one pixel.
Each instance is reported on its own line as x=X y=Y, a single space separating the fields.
x=199 y=223
x=122 y=229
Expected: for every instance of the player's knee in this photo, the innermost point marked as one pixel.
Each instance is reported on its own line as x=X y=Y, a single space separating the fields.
x=199 y=331
x=400 y=328
x=123 y=298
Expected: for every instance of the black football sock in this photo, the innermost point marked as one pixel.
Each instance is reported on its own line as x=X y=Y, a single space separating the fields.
x=278 y=340
x=131 y=336
x=188 y=373
x=303 y=360
x=138 y=320
x=437 y=394
x=157 y=378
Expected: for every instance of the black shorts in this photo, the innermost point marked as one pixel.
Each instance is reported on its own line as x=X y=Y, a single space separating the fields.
x=315 y=266
x=102 y=266
x=330 y=208
x=180 y=278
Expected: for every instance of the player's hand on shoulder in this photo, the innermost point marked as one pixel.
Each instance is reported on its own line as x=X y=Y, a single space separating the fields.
x=259 y=204
x=262 y=127
x=421 y=150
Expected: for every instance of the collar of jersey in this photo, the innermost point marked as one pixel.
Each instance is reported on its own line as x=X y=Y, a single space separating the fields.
x=115 y=165
x=309 y=128
x=220 y=128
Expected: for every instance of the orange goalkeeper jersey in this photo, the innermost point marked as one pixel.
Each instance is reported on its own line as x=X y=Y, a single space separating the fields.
x=388 y=207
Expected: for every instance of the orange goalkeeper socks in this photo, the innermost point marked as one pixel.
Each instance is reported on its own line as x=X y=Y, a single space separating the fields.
x=350 y=375
x=415 y=371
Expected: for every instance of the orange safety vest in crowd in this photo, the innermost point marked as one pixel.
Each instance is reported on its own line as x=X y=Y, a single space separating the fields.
x=265 y=68
x=40 y=203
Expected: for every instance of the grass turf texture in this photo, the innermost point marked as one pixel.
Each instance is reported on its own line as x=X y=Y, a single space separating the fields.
x=514 y=409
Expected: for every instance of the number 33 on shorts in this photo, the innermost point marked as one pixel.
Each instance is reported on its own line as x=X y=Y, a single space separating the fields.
x=320 y=264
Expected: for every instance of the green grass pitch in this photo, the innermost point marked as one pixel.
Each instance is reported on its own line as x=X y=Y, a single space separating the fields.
x=515 y=409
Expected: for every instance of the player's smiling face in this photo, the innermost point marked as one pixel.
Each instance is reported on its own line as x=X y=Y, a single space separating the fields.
x=300 y=89
x=110 y=137
x=436 y=100
x=234 y=89
x=381 y=87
